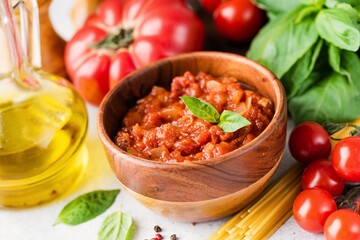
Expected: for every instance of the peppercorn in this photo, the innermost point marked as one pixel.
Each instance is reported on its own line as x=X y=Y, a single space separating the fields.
x=157 y=228
x=173 y=237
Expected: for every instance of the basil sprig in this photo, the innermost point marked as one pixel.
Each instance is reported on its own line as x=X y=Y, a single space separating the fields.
x=311 y=46
x=86 y=207
x=228 y=121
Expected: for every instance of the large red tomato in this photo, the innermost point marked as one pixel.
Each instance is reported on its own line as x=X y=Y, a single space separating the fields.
x=124 y=35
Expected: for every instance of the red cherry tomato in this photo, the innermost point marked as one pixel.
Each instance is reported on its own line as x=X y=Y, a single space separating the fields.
x=210 y=5
x=309 y=141
x=311 y=208
x=238 y=20
x=346 y=159
x=321 y=174
x=343 y=224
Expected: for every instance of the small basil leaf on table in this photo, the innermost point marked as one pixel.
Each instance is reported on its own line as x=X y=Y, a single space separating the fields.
x=232 y=121
x=116 y=226
x=336 y=27
x=201 y=109
x=87 y=206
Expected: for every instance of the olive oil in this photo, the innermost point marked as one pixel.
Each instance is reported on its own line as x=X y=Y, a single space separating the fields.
x=42 y=133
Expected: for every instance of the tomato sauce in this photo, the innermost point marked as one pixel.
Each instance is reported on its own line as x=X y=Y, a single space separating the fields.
x=160 y=127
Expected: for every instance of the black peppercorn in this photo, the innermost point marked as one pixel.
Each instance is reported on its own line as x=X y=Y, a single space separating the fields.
x=157 y=228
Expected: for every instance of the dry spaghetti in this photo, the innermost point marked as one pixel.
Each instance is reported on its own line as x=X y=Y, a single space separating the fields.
x=265 y=214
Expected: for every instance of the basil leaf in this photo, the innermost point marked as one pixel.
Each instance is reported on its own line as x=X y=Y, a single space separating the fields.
x=201 y=109
x=333 y=99
x=282 y=42
x=306 y=12
x=296 y=80
x=275 y=8
x=353 y=14
x=333 y=128
x=116 y=226
x=334 y=60
x=336 y=27
x=232 y=121
x=326 y=101
x=87 y=207
x=353 y=3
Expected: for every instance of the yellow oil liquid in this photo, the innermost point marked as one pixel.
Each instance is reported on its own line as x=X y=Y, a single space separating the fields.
x=42 y=132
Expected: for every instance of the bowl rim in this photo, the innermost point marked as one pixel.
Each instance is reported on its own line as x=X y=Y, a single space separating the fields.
x=279 y=107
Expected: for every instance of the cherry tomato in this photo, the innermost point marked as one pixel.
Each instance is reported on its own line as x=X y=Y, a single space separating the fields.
x=309 y=141
x=123 y=35
x=210 y=5
x=238 y=20
x=346 y=159
x=343 y=224
x=311 y=209
x=321 y=174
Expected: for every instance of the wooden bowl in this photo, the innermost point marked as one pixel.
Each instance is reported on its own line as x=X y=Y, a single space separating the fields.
x=207 y=189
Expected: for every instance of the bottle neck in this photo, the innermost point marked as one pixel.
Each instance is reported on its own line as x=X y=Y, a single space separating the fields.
x=21 y=71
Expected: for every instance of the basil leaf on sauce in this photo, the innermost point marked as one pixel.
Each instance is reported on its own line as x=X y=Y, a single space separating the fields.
x=116 y=226
x=232 y=121
x=201 y=109
x=86 y=207
x=228 y=121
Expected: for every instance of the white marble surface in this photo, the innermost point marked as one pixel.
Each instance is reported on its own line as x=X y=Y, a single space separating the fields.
x=36 y=223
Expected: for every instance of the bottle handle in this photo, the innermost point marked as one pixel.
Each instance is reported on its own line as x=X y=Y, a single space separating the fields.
x=19 y=51
x=29 y=14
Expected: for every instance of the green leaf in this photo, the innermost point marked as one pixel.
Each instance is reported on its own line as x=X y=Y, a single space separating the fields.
x=353 y=3
x=201 y=109
x=87 y=207
x=232 y=121
x=332 y=128
x=306 y=12
x=336 y=27
x=275 y=8
x=228 y=121
x=282 y=42
x=297 y=80
x=334 y=60
x=332 y=100
x=116 y=226
x=351 y=11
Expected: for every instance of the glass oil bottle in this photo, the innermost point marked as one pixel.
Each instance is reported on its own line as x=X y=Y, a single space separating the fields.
x=43 y=120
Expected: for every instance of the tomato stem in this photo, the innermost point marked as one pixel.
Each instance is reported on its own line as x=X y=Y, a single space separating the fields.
x=115 y=41
x=350 y=199
x=332 y=128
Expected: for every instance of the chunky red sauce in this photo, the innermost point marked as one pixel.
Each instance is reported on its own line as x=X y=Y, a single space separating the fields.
x=160 y=127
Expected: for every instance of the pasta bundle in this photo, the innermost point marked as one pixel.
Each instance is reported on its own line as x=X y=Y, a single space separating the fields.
x=266 y=213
